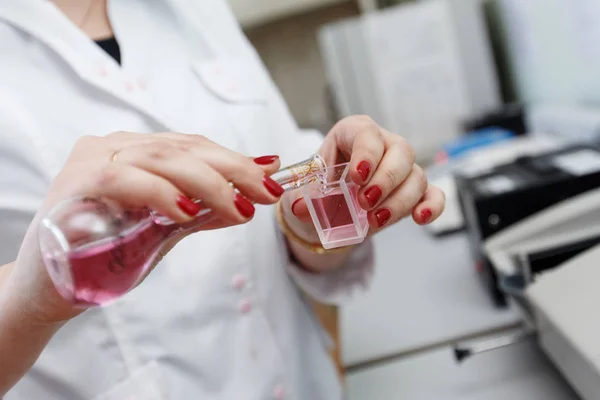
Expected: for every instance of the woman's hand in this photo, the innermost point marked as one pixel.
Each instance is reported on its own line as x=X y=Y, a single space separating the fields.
x=383 y=165
x=160 y=171
x=163 y=171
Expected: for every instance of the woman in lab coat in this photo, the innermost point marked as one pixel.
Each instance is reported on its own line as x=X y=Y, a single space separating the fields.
x=223 y=316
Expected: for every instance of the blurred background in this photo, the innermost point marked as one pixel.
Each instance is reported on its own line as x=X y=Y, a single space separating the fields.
x=501 y=100
x=426 y=69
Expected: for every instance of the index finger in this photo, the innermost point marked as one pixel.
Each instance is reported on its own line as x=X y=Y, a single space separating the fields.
x=269 y=164
x=368 y=148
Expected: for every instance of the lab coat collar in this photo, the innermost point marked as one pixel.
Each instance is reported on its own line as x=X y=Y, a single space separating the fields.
x=42 y=20
x=203 y=19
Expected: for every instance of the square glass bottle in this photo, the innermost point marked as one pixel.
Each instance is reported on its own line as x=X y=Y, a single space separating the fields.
x=333 y=205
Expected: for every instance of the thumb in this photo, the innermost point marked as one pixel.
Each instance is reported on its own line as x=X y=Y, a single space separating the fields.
x=297 y=216
x=294 y=207
x=299 y=209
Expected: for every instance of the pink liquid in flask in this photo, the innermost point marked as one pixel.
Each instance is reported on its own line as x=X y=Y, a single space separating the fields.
x=104 y=272
x=95 y=272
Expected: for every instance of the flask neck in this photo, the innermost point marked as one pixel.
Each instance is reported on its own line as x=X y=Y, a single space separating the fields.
x=301 y=173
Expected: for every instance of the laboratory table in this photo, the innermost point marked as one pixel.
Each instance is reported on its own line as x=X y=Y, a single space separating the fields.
x=519 y=372
x=425 y=291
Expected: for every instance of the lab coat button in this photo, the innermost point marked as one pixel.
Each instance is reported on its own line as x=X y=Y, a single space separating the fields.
x=103 y=72
x=129 y=87
x=245 y=306
x=142 y=84
x=231 y=88
x=238 y=282
x=279 y=393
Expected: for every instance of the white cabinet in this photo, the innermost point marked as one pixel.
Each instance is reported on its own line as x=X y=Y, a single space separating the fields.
x=254 y=12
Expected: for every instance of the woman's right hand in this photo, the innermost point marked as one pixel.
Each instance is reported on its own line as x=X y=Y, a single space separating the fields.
x=161 y=171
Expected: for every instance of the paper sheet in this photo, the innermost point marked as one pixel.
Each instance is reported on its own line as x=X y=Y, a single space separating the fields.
x=417 y=71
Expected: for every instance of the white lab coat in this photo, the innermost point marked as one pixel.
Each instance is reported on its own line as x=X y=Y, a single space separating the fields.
x=223 y=316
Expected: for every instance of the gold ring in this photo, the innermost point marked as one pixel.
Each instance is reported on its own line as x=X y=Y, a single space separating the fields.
x=113 y=158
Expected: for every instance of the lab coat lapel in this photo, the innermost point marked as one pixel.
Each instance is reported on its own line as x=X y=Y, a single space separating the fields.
x=43 y=21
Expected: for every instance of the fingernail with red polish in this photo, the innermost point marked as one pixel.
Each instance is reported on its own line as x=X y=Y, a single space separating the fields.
x=373 y=194
x=273 y=187
x=382 y=216
x=243 y=205
x=188 y=206
x=265 y=160
x=294 y=204
x=425 y=215
x=363 y=169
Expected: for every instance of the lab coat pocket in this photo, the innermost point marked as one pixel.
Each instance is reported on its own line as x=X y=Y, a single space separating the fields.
x=231 y=80
x=144 y=383
x=240 y=91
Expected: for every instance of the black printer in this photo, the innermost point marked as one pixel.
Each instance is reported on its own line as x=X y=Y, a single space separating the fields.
x=494 y=199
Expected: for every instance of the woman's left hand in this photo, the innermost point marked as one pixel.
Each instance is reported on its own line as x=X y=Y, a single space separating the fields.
x=392 y=186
